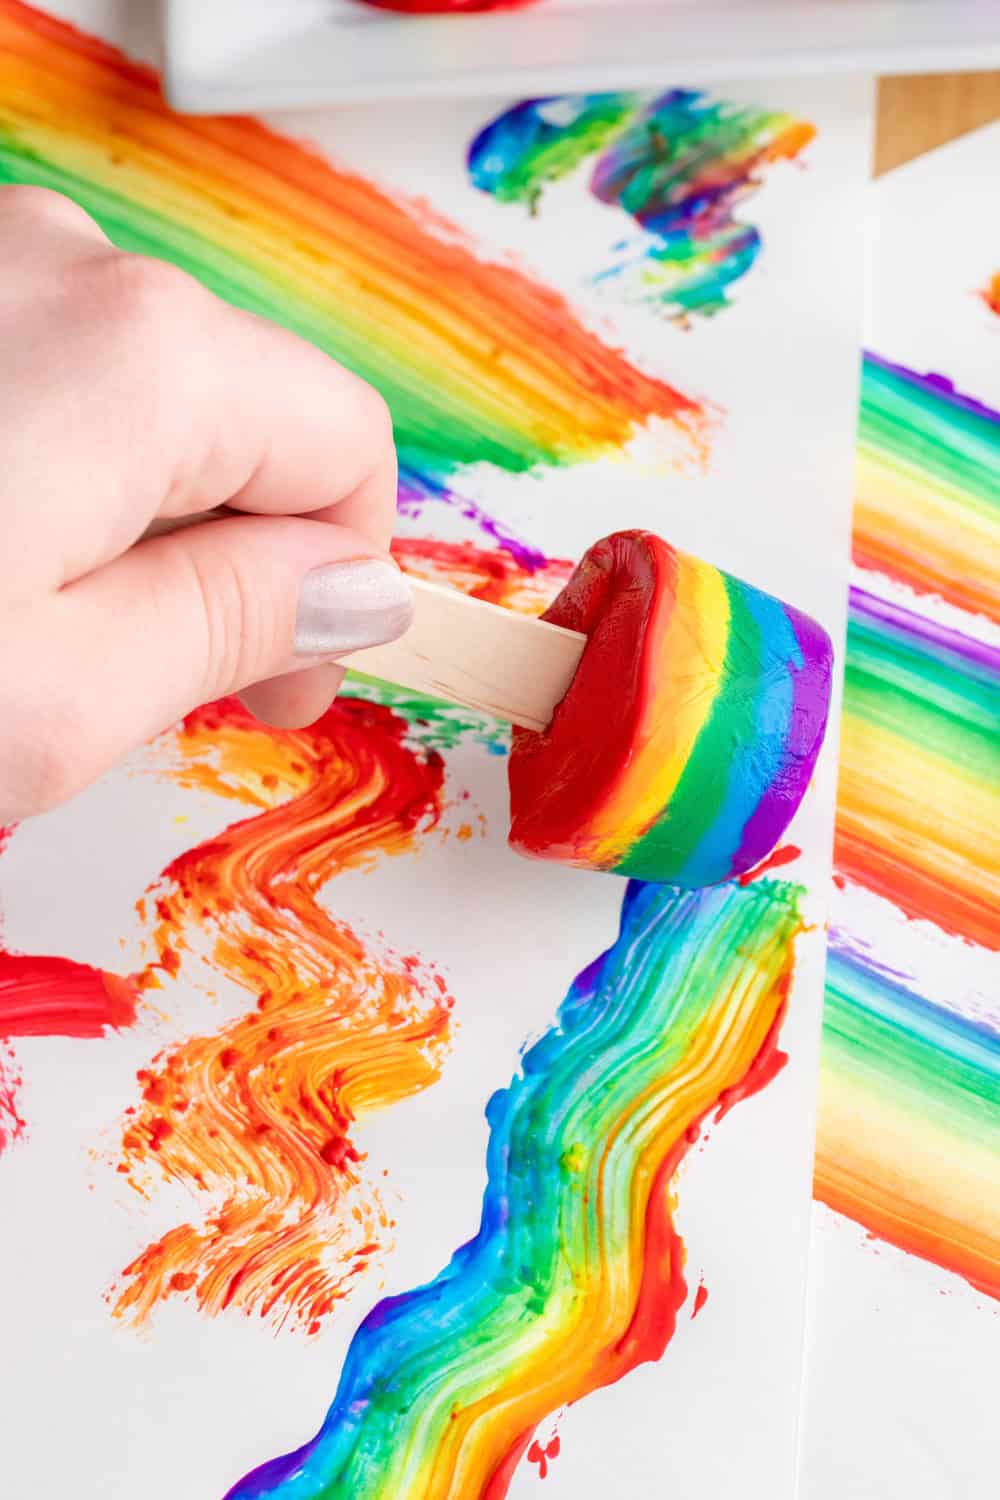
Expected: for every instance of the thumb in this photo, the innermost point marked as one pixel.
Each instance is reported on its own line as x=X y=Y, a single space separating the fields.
x=190 y=616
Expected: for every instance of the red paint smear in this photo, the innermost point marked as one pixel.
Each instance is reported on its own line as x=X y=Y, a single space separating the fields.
x=784 y=855
x=494 y=576
x=259 y=1115
x=765 y=1067
x=700 y=1298
x=58 y=997
x=52 y=996
x=924 y=894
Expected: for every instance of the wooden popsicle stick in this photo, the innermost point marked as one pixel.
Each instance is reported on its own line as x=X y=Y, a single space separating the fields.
x=466 y=651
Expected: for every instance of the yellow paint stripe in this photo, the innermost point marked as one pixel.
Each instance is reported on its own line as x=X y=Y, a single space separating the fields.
x=681 y=681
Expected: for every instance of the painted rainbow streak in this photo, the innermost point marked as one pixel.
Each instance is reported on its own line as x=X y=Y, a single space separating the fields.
x=479 y=363
x=677 y=165
x=927 y=491
x=909 y=1120
x=918 y=811
x=576 y=1274
x=256 y=1118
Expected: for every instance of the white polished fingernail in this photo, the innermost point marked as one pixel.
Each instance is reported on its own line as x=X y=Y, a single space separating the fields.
x=348 y=606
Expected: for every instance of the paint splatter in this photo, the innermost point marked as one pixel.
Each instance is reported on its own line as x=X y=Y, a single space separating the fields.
x=991 y=294
x=576 y=1274
x=256 y=1119
x=909 y=1124
x=927 y=489
x=918 y=813
x=700 y=1298
x=479 y=363
x=679 y=166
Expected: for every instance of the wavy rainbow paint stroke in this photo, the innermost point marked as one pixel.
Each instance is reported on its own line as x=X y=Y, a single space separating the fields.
x=918 y=812
x=924 y=1172
x=256 y=1118
x=576 y=1273
x=678 y=165
x=927 y=487
x=479 y=363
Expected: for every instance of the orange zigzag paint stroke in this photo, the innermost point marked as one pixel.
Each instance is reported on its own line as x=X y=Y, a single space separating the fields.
x=256 y=1119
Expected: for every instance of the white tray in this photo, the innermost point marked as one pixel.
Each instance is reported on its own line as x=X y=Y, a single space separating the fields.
x=230 y=55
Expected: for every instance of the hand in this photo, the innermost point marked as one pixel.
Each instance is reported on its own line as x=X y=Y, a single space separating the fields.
x=129 y=397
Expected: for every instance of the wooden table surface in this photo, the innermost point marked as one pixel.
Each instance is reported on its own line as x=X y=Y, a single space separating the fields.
x=917 y=114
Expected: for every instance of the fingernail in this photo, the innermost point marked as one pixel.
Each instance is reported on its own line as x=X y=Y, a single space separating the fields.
x=348 y=606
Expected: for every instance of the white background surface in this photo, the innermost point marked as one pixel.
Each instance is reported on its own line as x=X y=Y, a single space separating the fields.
x=185 y=1409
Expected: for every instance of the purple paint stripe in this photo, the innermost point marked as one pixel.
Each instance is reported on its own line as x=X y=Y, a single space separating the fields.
x=806 y=728
x=938 y=385
x=926 y=632
x=417 y=490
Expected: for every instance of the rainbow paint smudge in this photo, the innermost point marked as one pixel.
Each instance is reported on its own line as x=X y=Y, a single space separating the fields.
x=576 y=1274
x=918 y=814
x=991 y=294
x=256 y=1118
x=927 y=488
x=479 y=363
x=924 y=1171
x=678 y=166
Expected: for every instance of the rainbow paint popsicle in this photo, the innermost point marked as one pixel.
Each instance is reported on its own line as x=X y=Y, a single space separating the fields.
x=712 y=700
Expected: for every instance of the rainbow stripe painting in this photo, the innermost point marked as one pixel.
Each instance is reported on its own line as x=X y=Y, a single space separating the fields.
x=927 y=490
x=678 y=166
x=479 y=363
x=576 y=1274
x=910 y=1081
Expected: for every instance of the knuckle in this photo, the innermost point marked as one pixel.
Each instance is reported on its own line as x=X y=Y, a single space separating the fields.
x=43 y=763
x=230 y=616
x=41 y=208
x=146 y=299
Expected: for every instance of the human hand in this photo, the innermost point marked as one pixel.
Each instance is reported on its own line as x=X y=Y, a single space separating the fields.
x=130 y=397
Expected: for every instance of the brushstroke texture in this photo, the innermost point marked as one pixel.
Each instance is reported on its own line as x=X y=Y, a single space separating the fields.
x=479 y=363
x=927 y=488
x=679 y=166
x=576 y=1274
x=918 y=814
x=256 y=1118
x=909 y=1123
